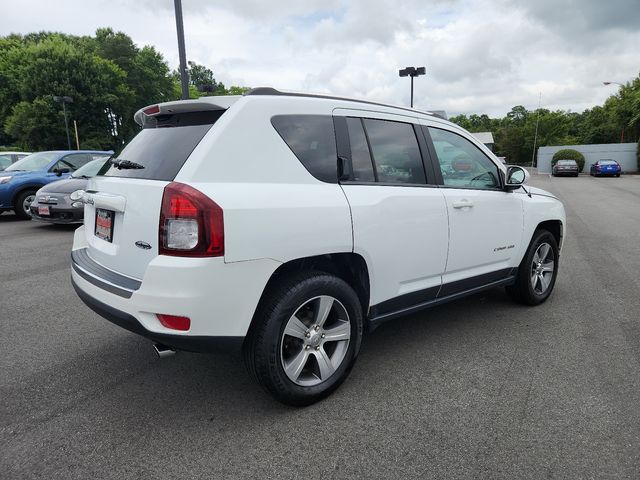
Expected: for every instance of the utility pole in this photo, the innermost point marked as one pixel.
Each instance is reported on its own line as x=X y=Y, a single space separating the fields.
x=535 y=137
x=64 y=100
x=184 y=76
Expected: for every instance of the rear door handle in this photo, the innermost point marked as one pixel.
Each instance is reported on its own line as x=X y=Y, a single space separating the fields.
x=462 y=204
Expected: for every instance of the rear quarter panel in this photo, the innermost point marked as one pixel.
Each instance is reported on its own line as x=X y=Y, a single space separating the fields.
x=273 y=207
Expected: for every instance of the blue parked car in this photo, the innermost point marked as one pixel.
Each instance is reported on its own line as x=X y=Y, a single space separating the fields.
x=605 y=167
x=20 y=181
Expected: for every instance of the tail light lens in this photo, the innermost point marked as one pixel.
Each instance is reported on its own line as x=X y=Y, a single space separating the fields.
x=191 y=224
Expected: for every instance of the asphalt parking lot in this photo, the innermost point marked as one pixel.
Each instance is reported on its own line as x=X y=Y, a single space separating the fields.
x=481 y=388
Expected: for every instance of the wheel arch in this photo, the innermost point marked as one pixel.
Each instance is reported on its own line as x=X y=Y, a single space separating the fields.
x=555 y=227
x=22 y=188
x=350 y=267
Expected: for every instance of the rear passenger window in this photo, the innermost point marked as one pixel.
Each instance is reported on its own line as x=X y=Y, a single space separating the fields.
x=312 y=139
x=395 y=151
x=360 y=157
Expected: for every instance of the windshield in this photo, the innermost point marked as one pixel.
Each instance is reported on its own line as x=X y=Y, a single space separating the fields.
x=31 y=163
x=91 y=169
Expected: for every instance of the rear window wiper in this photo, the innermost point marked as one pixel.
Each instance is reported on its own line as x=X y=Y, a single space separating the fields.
x=125 y=164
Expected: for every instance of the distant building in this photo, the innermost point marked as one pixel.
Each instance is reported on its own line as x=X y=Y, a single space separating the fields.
x=623 y=153
x=486 y=138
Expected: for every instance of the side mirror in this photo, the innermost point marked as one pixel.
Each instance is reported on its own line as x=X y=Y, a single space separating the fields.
x=60 y=171
x=516 y=177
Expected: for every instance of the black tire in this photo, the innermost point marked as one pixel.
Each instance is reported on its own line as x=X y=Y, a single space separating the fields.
x=265 y=348
x=617 y=175
x=523 y=291
x=19 y=204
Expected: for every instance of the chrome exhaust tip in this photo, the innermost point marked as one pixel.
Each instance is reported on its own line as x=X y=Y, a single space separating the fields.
x=163 y=351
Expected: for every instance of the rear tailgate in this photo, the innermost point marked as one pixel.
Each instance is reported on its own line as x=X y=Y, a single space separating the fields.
x=134 y=208
x=123 y=202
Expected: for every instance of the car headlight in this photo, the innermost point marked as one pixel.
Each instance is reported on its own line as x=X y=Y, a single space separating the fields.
x=5 y=180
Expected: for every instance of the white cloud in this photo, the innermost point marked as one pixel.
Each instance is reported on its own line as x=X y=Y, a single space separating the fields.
x=481 y=56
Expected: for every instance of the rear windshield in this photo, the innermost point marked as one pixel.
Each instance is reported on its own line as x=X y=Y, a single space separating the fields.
x=601 y=162
x=160 y=150
x=567 y=162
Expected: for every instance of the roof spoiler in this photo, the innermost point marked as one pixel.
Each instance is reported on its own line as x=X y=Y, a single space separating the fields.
x=211 y=104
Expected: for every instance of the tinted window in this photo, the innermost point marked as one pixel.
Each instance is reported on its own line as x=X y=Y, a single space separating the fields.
x=59 y=165
x=567 y=162
x=312 y=139
x=163 y=146
x=462 y=164
x=607 y=162
x=360 y=157
x=395 y=152
x=75 y=161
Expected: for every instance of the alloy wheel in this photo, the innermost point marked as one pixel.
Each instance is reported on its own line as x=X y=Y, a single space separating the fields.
x=26 y=203
x=542 y=268
x=315 y=341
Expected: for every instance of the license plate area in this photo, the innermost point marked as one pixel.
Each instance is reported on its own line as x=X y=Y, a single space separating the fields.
x=43 y=210
x=104 y=224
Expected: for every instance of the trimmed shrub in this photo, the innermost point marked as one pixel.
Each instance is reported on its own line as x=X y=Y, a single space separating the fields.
x=568 y=154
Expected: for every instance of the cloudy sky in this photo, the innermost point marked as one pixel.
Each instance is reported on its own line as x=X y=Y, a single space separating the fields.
x=482 y=56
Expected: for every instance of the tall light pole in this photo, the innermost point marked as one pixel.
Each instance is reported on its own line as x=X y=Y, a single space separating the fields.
x=620 y=85
x=535 y=137
x=184 y=76
x=64 y=100
x=412 y=72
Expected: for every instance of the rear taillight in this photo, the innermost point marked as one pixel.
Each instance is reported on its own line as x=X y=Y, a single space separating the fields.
x=191 y=224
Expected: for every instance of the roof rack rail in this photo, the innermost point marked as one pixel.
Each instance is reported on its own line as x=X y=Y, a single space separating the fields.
x=270 y=91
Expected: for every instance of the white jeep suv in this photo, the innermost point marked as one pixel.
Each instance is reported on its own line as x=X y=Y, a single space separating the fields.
x=290 y=224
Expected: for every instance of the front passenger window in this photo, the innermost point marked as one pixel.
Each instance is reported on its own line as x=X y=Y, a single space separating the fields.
x=462 y=164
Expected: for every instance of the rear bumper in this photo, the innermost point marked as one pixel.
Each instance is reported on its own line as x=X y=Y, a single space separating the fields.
x=201 y=344
x=219 y=298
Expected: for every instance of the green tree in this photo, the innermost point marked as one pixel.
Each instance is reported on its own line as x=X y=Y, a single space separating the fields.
x=55 y=66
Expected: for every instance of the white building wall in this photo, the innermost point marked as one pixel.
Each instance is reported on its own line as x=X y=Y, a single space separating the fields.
x=623 y=153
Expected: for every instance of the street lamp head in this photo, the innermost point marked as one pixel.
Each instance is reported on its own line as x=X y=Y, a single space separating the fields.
x=412 y=71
